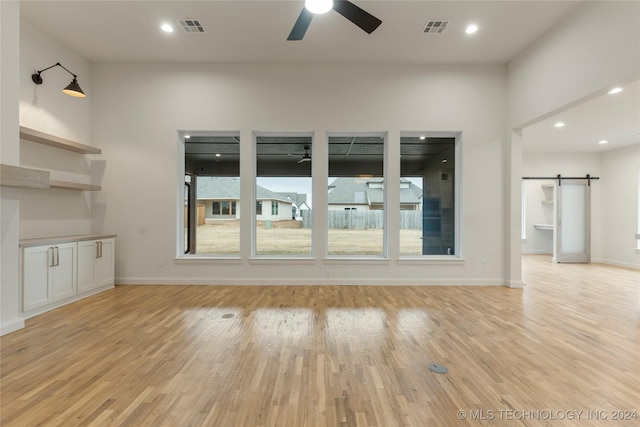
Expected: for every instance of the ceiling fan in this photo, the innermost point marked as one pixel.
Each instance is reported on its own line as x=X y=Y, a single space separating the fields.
x=353 y=13
x=306 y=157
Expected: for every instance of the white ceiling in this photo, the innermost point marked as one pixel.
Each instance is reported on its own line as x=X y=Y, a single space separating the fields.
x=256 y=31
x=613 y=118
x=243 y=31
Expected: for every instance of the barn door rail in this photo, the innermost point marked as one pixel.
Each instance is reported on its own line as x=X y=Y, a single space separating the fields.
x=560 y=178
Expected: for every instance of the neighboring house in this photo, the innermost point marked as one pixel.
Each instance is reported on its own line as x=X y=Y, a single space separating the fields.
x=368 y=194
x=299 y=203
x=220 y=197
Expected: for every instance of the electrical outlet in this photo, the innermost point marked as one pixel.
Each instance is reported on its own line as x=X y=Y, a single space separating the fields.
x=161 y=263
x=483 y=263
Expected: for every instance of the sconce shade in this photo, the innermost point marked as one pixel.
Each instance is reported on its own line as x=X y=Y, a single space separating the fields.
x=73 y=89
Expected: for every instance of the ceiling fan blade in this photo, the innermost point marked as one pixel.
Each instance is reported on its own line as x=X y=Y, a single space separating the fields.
x=358 y=16
x=301 y=25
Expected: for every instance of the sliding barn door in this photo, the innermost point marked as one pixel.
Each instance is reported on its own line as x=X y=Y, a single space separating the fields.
x=573 y=221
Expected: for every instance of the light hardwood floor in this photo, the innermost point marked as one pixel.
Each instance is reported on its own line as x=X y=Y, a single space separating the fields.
x=335 y=356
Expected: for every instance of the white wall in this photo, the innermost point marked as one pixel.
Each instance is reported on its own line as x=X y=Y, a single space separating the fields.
x=45 y=213
x=9 y=154
x=566 y=164
x=620 y=170
x=594 y=47
x=138 y=109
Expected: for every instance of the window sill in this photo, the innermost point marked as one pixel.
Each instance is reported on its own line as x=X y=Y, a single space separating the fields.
x=271 y=260
x=432 y=260
x=356 y=259
x=199 y=259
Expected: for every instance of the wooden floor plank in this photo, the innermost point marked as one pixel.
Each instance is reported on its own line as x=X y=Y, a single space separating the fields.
x=334 y=355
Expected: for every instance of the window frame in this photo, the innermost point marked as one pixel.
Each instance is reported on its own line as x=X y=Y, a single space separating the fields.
x=384 y=135
x=458 y=250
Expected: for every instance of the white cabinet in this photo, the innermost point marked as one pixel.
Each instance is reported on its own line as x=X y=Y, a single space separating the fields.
x=56 y=271
x=49 y=274
x=95 y=264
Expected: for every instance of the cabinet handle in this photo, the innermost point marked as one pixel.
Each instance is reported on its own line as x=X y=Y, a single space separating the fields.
x=57 y=256
x=97 y=249
x=100 y=249
x=53 y=259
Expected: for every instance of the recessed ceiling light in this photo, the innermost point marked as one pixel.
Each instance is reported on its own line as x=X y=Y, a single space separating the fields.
x=187 y=136
x=167 y=28
x=218 y=154
x=615 y=90
x=471 y=28
x=444 y=160
x=603 y=141
x=559 y=125
x=422 y=138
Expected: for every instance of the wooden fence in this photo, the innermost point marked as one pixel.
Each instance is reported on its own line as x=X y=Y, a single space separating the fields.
x=361 y=220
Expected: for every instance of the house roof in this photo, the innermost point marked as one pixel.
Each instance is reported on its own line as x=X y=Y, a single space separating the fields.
x=356 y=191
x=228 y=188
x=297 y=198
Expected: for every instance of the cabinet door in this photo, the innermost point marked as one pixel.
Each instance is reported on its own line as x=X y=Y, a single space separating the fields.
x=87 y=261
x=63 y=277
x=36 y=265
x=106 y=263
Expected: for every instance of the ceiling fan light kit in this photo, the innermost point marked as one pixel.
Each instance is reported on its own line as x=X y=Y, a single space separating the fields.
x=318 y=6
x=363 y=19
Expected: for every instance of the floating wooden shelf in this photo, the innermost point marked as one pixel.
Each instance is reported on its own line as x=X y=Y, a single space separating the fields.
x=57 y=142
x=19 y=177
x=66 y=185
x=544 y=226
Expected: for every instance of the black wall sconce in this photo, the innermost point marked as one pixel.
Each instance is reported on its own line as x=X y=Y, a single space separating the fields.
x=72 y=89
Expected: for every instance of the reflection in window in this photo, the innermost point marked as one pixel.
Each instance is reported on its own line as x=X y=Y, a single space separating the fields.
x=212 y=163
x=427 y=167
x=356 y=195
x=283 y=194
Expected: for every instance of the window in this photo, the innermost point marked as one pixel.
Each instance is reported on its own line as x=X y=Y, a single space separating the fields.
x=427 y=168
x=212 y=172
x=356 y=195
x=283 y=181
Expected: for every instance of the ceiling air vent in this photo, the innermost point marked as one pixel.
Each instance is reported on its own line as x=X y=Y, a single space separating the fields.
x=191 y=25
x=435 y=26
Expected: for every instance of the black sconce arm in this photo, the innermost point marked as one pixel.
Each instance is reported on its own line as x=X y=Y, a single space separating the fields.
x=37 y=79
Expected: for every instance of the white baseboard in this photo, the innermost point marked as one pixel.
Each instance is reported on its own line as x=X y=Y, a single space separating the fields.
x=8 y=327
x=617 y=263
x=515 y=284
x=307 y=282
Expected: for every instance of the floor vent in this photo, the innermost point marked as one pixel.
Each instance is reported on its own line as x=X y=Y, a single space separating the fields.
x=435 y=26
x=191 y=25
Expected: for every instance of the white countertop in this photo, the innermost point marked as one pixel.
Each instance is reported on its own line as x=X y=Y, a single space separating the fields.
x=63 y=239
